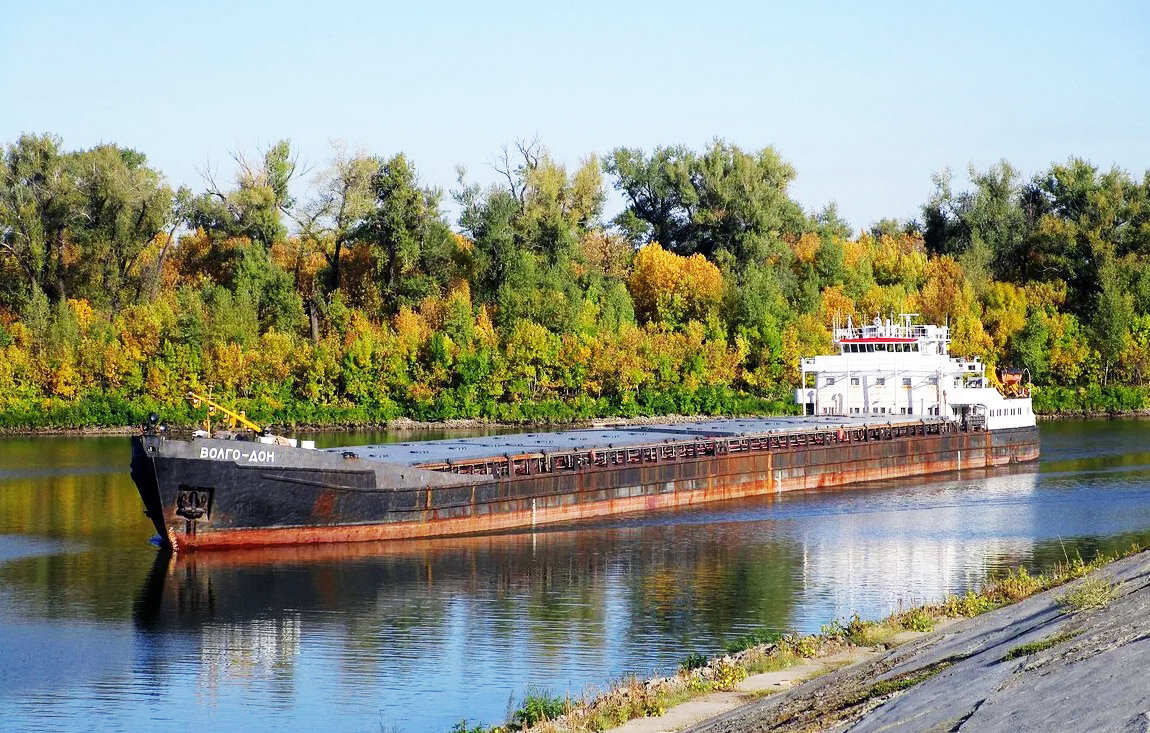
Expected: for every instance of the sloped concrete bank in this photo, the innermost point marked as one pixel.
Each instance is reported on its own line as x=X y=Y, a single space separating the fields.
x=1072 y=658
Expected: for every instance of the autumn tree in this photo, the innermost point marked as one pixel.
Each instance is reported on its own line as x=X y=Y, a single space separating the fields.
x=343 y=200
x=672 y=289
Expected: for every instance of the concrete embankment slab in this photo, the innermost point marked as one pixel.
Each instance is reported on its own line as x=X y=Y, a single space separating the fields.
x=1093 y=677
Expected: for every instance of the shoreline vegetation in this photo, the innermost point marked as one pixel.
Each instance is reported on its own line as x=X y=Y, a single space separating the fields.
x=355 y=299
x=16 y=428
x=768 y=650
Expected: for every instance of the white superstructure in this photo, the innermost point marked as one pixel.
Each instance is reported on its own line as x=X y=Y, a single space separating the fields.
x=890 y=368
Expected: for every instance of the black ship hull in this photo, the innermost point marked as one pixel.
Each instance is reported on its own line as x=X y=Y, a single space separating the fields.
x=208 y=493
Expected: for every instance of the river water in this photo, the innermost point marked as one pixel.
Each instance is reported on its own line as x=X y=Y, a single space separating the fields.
x=99 y=631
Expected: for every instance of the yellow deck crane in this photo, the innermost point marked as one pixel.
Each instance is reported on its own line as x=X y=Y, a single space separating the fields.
x=233 y=419
x=236 y=419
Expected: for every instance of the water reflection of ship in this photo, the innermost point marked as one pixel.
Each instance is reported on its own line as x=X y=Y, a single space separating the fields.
x=184 y=592
x=555 y=591
x=890 y=555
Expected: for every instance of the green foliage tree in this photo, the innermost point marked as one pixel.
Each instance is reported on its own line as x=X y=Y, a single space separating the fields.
x=39 y=204
x=118 y=295
x=725 y=200
x=256 y=207
x=1114 y=314
x=124 y=206
x=411 y=244
x=342 y=203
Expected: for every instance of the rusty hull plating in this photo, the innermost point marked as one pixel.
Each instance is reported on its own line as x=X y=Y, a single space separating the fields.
x=209 y=494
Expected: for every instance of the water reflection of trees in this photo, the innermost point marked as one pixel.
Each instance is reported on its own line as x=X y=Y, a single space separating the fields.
x=98 y=518
x=713 y=581
x=102 y=508
x=1049 y=553
x=92 y=584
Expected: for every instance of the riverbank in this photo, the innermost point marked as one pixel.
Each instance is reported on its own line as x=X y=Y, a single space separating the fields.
x=858 y=669
x=104 y=414
x=99 y=413
x=404 y=424
x=1064 y=659
x=401 y=424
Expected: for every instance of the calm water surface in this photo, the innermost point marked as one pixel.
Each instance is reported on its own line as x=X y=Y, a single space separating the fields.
x=98 y=631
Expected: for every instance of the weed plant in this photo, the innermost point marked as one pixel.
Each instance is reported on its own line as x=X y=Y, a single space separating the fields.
x=1090 y=593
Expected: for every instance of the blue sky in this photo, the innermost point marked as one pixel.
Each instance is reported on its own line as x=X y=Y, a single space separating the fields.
x=866 y=100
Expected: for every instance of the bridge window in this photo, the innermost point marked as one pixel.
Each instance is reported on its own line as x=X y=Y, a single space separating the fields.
x=854 y=381
x=906 y=381
x=829 y=382
x=880 y=381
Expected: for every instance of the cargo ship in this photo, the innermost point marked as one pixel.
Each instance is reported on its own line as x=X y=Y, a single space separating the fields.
x=891 y=403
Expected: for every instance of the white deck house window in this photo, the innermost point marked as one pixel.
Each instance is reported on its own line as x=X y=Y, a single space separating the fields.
x=902 y=368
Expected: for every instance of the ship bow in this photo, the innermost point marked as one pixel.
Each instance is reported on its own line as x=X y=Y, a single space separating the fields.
x=143 y=471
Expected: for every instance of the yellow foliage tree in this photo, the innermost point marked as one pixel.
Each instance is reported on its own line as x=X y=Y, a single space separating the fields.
x=836 y=305
x=1003 y=312
x=806 y=247
x=672 y=289
x=948 y=297
x=805 y=336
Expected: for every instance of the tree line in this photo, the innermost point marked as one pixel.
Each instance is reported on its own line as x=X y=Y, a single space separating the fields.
x=363 y=300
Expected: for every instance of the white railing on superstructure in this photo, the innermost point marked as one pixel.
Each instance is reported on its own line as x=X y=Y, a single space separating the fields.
x=889 y=329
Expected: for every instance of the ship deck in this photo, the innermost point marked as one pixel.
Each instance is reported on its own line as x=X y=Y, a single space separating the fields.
x=563 y=441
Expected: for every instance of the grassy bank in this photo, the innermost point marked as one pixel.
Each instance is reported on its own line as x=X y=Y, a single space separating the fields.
x=1111 y=400
x=768 y=650
x=112 y=410
x=34 y=414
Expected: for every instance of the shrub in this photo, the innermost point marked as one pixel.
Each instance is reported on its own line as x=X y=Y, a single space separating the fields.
x=693 y=661
x=727 y=675
x=916 y=620
x=537 y=707
x=754 y=638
